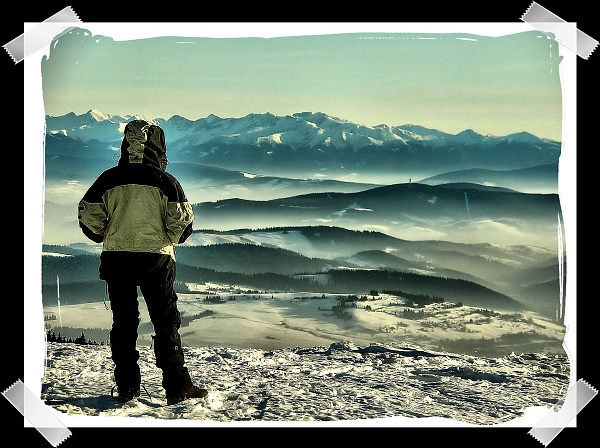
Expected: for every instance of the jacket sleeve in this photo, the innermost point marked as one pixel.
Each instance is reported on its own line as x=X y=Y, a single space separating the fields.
x=92 y=216
x=180 y=216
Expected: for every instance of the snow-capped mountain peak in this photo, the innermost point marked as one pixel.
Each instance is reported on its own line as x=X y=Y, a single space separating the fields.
x=98 y=116
x=309 y=142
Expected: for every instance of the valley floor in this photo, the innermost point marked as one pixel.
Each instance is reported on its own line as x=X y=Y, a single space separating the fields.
x=226 y=316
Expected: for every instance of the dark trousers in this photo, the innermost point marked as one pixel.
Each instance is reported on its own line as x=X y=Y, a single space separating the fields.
x=155 y=275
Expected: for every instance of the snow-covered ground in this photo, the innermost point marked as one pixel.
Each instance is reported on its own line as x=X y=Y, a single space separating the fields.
x=287 y=357
x=337 y=384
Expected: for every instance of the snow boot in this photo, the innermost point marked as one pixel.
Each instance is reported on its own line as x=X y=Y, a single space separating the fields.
x=190 y=392
x=125 y=395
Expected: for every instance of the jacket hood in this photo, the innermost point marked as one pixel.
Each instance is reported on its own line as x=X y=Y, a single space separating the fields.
x=144 y=143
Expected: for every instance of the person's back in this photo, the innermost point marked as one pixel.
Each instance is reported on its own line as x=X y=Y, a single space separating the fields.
x=138 y=212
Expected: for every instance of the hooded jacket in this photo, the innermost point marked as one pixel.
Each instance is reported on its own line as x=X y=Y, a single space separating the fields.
x=137 y=206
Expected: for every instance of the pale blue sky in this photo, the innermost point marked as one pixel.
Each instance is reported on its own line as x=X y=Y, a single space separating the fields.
x=454 y=81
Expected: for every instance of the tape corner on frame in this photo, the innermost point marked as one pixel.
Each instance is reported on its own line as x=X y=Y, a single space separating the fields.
x=554 y=422
x=40 y=35
x=37 y=413
x=552 y=25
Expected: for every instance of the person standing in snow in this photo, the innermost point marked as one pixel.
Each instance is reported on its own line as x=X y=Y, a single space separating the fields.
x=138 y=211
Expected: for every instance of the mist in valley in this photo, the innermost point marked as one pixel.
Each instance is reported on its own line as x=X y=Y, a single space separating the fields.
x=332 y=247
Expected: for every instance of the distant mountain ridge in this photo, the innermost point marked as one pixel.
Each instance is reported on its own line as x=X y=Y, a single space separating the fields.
x=397 y=208
x=543 y=178
x=256 y=128
x=305 y=142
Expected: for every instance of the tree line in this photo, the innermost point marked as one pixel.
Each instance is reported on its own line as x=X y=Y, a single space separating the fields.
x=52 y=336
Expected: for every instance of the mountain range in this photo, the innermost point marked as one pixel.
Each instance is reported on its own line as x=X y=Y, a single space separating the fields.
x=306 y=144
x=316 y=203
